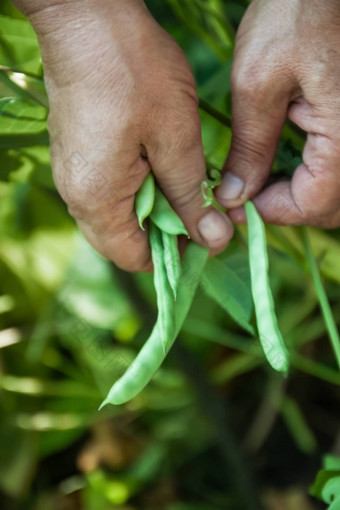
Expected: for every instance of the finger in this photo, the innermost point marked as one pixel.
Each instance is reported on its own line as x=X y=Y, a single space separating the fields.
x=101 y=199
x=176 y=157
x=259 y=111
x=312 y=196
x=129 y=254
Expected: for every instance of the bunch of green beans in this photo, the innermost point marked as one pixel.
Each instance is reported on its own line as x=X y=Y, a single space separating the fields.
x=176 y=283
x=164 y=226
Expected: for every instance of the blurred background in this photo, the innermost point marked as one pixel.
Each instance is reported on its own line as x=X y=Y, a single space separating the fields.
x=216 y=428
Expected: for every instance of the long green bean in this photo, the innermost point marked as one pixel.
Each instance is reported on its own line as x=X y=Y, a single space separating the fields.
x=172 y=260
x=269 y=333
x=165 y=297
x=145 y=198
x=151 y=356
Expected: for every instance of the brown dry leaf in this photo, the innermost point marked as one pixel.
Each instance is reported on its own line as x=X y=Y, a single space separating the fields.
x=292 y=499
x=110 y=446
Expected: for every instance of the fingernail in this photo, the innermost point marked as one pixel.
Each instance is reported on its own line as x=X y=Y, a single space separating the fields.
x=215 y=228
x=231 y=187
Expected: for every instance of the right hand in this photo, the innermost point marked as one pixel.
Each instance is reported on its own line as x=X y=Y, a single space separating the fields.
x=122 y=100
x=286 y=64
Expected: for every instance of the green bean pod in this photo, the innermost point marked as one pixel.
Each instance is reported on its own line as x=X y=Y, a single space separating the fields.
x=151 y=356
x=269 y=333
x=165 y=217
x=145 y=198
x=165 y=297
x=172 y=260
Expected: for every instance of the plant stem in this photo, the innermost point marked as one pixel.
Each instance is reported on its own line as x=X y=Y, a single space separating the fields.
x=206 y=107
x=315 y=369
x=292 y=130
x=322 y=296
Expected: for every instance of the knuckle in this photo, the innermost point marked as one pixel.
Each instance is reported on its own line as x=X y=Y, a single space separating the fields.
x=176 y=130
x=251 y=148
x=187 y=197
x=247 y=80
x=182 y=134
x=256 y=82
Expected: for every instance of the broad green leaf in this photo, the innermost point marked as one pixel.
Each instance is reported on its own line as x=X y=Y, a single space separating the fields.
x=10 y=162
x=21 y=116
x=331 y=462
x=27 y=164
x=18 y=141
x=18 y=45
x=325 y=245
x=229 y=291
x=238 y=263
x=335 y=505
x=322 y=479
x=91 y=292
x=22 y=124
x=25 y=86
x=8 y=9
x=331 y=491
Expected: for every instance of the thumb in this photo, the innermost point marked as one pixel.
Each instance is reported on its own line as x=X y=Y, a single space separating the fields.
x=258 y=115
x=177 y=160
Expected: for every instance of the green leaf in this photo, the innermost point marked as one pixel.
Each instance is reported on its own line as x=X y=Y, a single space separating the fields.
x=19 y=46
x=327 y=483
x=21 y=116
x=29 y=164
x=331 y=462
x=239 y=264
x=93 y=295
x=25 y=86
x=22 y=124
x=331 y=490
x=18 y=141
x=335 y=505
x=229 y=291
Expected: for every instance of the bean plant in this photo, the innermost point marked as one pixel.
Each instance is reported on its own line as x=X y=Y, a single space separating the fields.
x=246 y=343
x=164 y=225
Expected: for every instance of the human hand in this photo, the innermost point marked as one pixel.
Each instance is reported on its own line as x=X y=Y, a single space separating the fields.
x=122 y=100
x=287 y=63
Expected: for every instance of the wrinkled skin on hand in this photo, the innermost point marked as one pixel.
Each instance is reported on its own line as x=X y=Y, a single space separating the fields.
x=287 y=64
x=122 y=100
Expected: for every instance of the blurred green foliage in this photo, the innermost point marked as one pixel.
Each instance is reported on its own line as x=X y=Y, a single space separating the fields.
x=216 y=428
